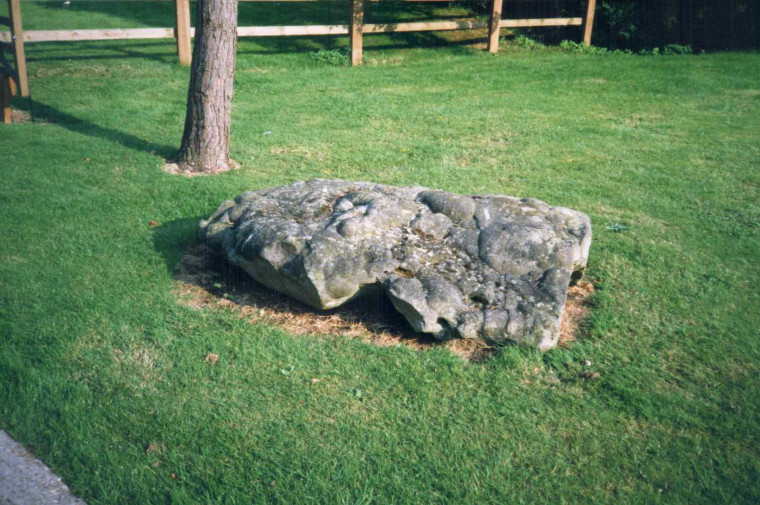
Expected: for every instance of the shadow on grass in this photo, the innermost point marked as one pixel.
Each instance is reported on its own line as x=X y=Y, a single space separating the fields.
x=161 y=51
x=206 y=280
x=42 y=112
x=164 y=51
x=171 y=239
x=329 y=12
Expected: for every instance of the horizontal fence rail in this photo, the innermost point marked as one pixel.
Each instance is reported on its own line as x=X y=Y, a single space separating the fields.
x=13 y=40
x=284 y=31
x=111 y=34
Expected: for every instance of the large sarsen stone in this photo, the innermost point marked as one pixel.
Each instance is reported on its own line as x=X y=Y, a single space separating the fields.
x=488 y=267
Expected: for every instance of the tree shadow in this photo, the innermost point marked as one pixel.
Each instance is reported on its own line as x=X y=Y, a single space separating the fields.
x=42 y=112
x=207 y=281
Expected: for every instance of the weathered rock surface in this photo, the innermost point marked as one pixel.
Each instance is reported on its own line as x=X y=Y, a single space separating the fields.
x=489 y=267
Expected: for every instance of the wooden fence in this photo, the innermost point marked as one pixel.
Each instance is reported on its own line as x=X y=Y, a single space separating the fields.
x=13 y=41
x=13 y=78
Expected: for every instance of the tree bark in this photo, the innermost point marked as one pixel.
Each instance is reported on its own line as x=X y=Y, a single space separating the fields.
x=205 y=142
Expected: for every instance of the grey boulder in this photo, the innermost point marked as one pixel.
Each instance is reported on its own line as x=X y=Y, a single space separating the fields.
x=489 y=267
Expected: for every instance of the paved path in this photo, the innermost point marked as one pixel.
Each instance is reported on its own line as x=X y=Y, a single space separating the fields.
x=25 y=480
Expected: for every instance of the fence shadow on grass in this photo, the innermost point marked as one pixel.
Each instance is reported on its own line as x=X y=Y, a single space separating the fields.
x=153 y=14
x=98 y=51
x=164 y=51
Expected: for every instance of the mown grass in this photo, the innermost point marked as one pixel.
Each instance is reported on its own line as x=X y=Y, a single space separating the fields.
x=103 y=373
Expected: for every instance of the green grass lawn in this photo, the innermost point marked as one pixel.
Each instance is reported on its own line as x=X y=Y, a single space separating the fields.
x=103 y=372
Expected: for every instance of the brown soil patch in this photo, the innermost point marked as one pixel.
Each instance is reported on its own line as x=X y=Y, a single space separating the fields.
x=577 y=310
x=206 y=281
x=476 y=38
x=19 y=116
x=171 y=167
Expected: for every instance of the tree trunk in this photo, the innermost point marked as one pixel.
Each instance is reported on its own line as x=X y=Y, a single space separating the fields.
x=205 y=142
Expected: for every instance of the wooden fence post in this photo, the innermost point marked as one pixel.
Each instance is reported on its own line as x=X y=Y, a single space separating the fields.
x=494 y=30
x=588 y=21
x=12 y=86
x=182 y=31
x=355 y=31
x=5 y=99
x=17 y=39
